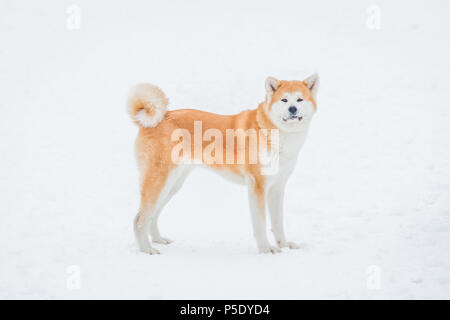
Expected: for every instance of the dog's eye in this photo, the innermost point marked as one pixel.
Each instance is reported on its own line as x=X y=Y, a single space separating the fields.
x=299 y=100
x=284 y=100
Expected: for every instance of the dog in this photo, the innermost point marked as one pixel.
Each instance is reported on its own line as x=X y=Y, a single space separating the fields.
x=165 y=152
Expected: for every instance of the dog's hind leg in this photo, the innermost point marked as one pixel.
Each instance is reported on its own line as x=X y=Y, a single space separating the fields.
x=141 y=223
x=174 y=182
x=152 y=194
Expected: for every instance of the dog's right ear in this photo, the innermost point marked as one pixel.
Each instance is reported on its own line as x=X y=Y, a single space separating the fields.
x=272 y=85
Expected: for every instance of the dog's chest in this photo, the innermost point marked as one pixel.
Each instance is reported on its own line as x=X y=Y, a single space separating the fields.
x=281 y=160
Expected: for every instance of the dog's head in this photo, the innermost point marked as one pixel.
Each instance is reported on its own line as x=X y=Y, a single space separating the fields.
x=291 y=104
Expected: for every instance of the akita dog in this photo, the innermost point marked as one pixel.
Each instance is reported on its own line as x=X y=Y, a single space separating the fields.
x=282 y=121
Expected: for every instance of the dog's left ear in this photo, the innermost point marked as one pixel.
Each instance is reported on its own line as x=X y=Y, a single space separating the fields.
x=312 y=82
x=272 y=85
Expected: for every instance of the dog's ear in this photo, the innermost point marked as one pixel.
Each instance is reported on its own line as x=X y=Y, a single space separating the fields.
x=312 y=82
x=272 y=85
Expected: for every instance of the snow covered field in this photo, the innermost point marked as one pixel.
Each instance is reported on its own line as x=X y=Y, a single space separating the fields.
x=370 y=192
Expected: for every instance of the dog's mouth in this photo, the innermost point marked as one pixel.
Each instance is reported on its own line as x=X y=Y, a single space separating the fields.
x=293 y=118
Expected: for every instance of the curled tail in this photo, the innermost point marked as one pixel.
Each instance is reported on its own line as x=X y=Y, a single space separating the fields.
x=147 y=105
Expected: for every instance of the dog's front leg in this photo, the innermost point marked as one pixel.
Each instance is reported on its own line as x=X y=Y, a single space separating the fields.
x=256 y=195
x=275 y=202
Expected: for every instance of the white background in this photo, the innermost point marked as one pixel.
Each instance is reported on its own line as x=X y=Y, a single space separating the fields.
x=371 y=186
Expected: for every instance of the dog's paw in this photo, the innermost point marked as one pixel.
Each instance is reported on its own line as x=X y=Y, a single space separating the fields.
x=162 y=240
x=269 y=249
x=288 y=244
x=151 y=251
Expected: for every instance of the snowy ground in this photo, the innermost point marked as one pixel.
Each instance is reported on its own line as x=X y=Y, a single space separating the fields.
x=371 y=187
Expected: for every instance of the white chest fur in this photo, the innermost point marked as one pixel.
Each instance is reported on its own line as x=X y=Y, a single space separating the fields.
x=284 y=156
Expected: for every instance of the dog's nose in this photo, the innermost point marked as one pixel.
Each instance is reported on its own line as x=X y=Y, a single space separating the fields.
x=293 y=109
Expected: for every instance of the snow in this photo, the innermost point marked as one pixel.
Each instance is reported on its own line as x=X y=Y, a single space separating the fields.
x=371 y=187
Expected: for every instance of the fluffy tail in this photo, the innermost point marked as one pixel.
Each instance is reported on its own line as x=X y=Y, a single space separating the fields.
x=147 y=105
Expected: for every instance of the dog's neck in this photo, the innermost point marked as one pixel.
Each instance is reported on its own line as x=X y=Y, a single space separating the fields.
x=263 y=119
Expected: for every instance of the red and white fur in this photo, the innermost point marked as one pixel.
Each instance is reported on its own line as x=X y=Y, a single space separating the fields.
x=288 y=107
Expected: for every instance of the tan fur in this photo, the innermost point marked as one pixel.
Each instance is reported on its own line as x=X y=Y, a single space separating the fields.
x=154 y=146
